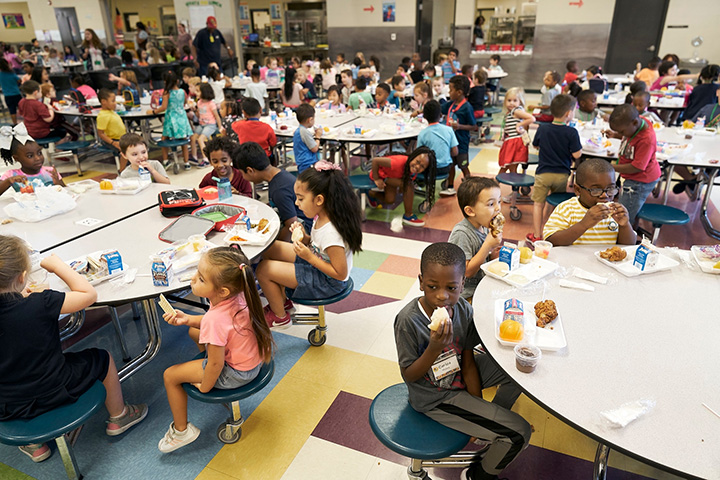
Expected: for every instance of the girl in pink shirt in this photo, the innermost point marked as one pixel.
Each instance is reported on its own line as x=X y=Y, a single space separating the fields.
x=233 y=333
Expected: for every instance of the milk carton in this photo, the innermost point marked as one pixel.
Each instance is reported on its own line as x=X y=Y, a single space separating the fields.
x=513 y=310
x=162 y=273
x=510 y=256
x=113 y=260
x=645 y=256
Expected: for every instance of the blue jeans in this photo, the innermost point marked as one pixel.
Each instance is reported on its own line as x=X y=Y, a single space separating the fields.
x=633 y=196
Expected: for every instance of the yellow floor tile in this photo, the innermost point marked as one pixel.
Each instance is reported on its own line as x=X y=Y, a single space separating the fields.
x=328 y=366
x=87 y=175
x=210 y=474
x=388 y=285
x=639 y=468
x=371 y=376
x=535 y=415
x=485 y=162
x=562 y=438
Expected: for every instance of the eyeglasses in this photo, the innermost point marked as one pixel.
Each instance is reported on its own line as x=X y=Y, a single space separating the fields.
x=597 y=192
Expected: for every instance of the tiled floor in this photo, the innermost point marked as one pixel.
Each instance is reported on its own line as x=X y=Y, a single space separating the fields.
x=312 y=423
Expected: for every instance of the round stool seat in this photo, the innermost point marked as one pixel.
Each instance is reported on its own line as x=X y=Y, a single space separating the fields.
x=173 y=142
x=45 y=142
x=217 y=395
x=54 y=423
x=484 y=119
x=72 y=146
x=533 y=159
x=407 y=432
x=663 y=215
x=311 y=302
x=492 y=110
x=516 y=179
x=556 y=199
x=361 y=182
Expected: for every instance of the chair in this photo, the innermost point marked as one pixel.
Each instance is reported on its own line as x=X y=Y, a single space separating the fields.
x=660 y=215
x=363 y=185
x=317 y=336
x=556 y=199
x=597 y=85
x=230 y=431
x=54 y=425
x=74 y=148
x=173 y=144
x=411 y=434
x=516 y=181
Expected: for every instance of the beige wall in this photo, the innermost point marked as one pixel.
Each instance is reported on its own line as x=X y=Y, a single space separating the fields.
x=701 y=17
x=442 y=19
x=350 y=13
x=17 y=35
x=144 y=8
x=558 y=12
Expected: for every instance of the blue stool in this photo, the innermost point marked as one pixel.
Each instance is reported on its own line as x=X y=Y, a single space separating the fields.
x=230 y=431
x=476 y=135
x=492 y=110
x=54 y=425
x=516 y=181
x=74 y=148
x=49 y=144
x=533 y=159
x=112 y=151
x=556 y=199
x=660 y=215
x=317 y=336
x=407 y=432
x=173 y=144
x=424 y=206
x=363 y=185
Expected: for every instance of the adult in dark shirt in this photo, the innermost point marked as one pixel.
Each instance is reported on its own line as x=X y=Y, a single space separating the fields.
x=207 y=45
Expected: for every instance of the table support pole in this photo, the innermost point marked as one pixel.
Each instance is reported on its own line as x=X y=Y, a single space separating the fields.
x=669 y=174
x=152 y=322
x=601 y=462
x=709 y=229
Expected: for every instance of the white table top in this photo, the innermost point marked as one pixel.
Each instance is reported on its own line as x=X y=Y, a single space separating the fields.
x=322 y=118
x=136 y=238
x=59 y=229
x=136 y=112
x=376 y=123
x=709 y=145
x=652 y=336
x=618 y=98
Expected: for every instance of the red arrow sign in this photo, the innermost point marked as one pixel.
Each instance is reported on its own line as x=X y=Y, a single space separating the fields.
x=579 y=3
x=370 y=9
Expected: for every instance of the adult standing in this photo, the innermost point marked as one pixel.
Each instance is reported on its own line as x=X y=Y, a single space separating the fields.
x=93 y=50
x=207 y=45
x=141 y=36
x=478 y=34
x=183 y=38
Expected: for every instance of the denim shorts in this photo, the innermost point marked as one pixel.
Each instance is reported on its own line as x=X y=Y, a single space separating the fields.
x=312 y=283
x=230 y=378
x=633 y=196
x=207 y=130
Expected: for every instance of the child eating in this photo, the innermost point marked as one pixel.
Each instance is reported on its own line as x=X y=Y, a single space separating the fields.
x=17 y=146
x=591 y=217
x=218 y=150
x=133 y=149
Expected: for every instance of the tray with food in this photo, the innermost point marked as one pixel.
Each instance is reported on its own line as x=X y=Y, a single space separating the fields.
x=258 y=234
x=707 y=257
x=526 y=273
x=536 y=322
x=623 y=259
x=27 y=193
x=184 y=254
x=364 y=133
x=99 y=266
x=121 y=186
x=667 y=150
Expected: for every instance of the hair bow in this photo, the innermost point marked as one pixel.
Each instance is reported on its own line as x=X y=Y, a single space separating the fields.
x=18 y=132
x=323 y=166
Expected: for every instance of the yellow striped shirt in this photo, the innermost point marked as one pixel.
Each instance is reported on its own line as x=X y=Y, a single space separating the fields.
x=570 y=212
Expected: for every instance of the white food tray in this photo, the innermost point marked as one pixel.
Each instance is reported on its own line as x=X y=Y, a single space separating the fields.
x=96 y=256
x=626 y=267
x=368 y=134
x=125 y=187
x=525 y=274
x=706 y=265
x=551 y=338
x=252 y=237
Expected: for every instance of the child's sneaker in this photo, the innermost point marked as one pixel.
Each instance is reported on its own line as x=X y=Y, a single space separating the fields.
x=372 y=202
x=289 y=305
x=188 y=166
x=133 y=415
x=448 y=192
x=203 y=163
x=532 y=238
x=36 y=451
x=174 y=439
x=274 y=321
x=413 y=221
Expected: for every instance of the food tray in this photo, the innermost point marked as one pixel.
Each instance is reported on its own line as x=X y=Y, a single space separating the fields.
x=706 y=265
x=368 y=134
x=96 y=256
x=626 y=266
x=252 y=237
x=548 y=339
x=535 y=270
x=125 y=187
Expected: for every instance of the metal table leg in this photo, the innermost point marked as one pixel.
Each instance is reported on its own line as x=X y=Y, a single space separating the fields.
x=152 y=322
x=671 y=169
x=118 y=331
x=601 y=462
x=709 y=229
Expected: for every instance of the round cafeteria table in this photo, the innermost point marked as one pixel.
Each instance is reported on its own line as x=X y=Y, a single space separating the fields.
x=652 y=336
x=136 y=239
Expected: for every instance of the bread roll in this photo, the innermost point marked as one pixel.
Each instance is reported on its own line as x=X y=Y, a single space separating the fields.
x=439 y=316
x=497 y=224
x=297 y=235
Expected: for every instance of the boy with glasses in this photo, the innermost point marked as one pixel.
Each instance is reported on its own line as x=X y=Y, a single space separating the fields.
x=591 y=217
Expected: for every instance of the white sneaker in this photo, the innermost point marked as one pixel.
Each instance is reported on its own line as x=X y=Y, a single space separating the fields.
x=174 y=439
x=448 y=192
x=507 y=199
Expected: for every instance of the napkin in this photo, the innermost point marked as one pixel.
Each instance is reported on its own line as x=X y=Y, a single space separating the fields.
x=628 y=412
x=585 y=275
x=577 y=285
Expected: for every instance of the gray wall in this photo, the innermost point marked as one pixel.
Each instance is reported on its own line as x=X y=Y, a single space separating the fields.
x=373 y=41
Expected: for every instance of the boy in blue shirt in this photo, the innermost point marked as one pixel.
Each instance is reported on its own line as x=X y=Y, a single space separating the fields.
x=305 y=144
x=558 y=146
x=459 y=115
x=440 y=138
x=451 y=66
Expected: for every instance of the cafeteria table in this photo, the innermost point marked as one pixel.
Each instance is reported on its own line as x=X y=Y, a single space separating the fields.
x=652 y=336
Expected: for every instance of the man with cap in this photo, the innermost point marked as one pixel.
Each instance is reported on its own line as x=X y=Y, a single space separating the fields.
x=207 y=46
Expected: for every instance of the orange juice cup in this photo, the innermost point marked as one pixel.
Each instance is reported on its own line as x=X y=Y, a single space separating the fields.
x=542 y=248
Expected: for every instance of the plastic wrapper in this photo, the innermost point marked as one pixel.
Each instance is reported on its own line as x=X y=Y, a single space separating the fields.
x=620 y=417
x=48 y=203
x=184 y=255
x=683 y=256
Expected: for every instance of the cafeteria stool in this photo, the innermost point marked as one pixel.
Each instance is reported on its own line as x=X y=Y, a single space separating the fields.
x=363 y=185
x=74 y=148
x=475 y=135
x=492 y=110
x=54 y=425
x=49 y=144
x=660 y=215
x=516 y=181
x=317 y=336
x=424 y=206
x=415 y=435
x=230 y=430
x=112 y=151
x=533 y=159
x=557 y=198
x=173 y=144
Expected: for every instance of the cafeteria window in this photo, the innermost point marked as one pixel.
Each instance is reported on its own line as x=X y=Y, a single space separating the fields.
x=507 y=29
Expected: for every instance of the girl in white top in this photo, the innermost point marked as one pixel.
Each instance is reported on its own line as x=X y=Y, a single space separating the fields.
x=318 y=265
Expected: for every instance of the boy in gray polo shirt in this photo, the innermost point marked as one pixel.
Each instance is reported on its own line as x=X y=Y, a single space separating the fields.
x=451 y=394
x=479 y=199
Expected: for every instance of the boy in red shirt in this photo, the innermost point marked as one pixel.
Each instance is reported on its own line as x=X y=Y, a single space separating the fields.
x=253 y=130
x=637 y=164
x=36 y=115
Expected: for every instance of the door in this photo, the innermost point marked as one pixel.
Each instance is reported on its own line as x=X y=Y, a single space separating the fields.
x=629 y=44
x=68 y=25
x=423 y=29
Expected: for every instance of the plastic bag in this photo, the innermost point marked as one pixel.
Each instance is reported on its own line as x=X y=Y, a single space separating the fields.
x=48 y=203
x=627 y=412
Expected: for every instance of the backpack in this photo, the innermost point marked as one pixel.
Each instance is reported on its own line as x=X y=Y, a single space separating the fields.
x=174 y=203
x=131 y=96
x=156 y=98
x=76 y=97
